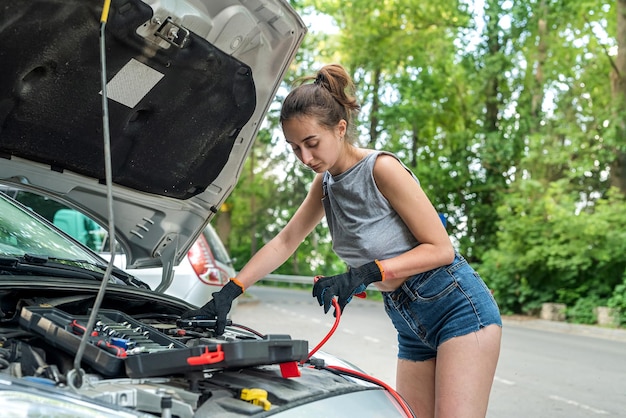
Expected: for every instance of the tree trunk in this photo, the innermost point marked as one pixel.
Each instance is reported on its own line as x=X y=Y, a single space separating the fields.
x=618 y=87
x=537 y=93
x=375 y=109
x=253 y=220
x=223 y=224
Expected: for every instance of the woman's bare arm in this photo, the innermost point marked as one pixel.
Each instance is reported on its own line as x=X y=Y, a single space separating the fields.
x=273 y=254
x=416 y=210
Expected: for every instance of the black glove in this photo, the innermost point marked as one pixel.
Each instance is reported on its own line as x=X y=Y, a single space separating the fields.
x=345 y=285
x=218 y=307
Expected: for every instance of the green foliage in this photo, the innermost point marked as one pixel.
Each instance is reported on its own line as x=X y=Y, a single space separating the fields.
x=553 y=250
x=508 y=116
x=618 y=301
x=583 y=311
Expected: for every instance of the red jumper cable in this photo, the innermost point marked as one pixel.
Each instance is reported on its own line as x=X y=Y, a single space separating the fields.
x=401 y=402
x=361 y=295
x=342 y=370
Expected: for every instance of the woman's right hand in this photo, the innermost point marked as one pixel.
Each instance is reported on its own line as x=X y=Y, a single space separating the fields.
x=218 y=307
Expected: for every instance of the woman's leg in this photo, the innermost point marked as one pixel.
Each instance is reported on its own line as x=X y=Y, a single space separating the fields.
x=464 y=373
x=415 y=382
x=458 y=382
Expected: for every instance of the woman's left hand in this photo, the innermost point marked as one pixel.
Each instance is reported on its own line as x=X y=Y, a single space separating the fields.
x=346 y=285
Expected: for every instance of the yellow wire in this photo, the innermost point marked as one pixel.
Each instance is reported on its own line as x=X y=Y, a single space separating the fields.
x=105 y=11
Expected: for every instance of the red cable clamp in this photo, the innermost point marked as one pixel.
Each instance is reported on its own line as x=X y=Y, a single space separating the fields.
x=208 y=357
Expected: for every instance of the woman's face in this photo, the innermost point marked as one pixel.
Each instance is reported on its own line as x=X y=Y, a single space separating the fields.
x=315 y=145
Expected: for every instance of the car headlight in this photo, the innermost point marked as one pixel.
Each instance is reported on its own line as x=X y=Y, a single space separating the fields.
x=19 y=404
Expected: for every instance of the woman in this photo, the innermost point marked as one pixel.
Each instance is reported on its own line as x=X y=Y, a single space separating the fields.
x=386 y=229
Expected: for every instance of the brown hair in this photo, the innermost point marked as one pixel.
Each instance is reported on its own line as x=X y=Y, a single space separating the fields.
x=329 y=98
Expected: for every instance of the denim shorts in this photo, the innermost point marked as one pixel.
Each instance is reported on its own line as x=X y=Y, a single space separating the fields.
x=434 y=306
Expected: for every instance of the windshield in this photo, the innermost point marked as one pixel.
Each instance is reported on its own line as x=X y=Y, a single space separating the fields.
x=22 y=232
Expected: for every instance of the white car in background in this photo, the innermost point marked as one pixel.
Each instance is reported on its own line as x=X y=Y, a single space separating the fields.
x=203 y=271
x=206 y=267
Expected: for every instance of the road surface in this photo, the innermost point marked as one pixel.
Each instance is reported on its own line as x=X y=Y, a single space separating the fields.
x=542 y=371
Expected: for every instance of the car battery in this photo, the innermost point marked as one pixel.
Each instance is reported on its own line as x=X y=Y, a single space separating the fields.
x=122 y=346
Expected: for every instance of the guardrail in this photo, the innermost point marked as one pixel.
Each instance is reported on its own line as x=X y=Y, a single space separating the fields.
x=287 y=278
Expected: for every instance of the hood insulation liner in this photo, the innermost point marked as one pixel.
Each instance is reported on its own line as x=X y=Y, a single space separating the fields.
x=174 y=113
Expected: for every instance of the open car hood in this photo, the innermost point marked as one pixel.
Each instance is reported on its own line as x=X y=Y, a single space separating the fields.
x=188 y=82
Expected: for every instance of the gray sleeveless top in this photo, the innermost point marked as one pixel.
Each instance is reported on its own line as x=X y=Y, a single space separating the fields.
x=363 y=224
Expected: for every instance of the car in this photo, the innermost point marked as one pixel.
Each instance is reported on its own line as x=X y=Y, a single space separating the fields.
x=135 y=356
x=140 y=115
x=206 y=267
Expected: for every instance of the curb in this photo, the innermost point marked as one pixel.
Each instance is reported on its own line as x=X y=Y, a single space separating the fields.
x=594 y=331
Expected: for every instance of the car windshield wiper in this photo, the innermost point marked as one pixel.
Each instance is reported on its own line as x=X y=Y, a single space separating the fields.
x=42 y=265
x=59 y=267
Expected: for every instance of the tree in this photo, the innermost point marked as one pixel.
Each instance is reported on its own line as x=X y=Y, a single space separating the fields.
x=511 y=115
x=618 y=165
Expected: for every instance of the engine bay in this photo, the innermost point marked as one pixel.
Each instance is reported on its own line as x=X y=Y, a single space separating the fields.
x=151 y=361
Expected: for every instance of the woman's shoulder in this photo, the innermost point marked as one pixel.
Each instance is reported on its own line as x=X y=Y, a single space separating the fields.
x=372 y=154
x=389 y=167
x=385 y=160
